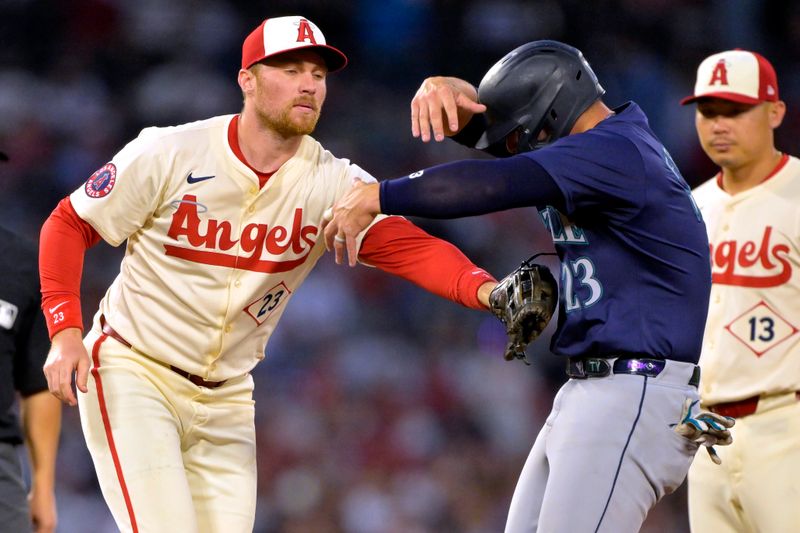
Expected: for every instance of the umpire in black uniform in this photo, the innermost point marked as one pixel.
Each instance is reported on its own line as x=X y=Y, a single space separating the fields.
x=23 y=349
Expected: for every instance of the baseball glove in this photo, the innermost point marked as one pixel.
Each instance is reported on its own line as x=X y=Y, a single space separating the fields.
x=524 y=301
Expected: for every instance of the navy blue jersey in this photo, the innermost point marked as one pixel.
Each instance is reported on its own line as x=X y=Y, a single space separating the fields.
x=635 y=269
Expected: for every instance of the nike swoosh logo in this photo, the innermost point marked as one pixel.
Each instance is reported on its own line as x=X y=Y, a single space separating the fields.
x=53 y=309
x=192 y=179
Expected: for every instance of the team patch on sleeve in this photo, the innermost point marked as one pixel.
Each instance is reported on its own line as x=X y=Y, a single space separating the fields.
x=102 y=181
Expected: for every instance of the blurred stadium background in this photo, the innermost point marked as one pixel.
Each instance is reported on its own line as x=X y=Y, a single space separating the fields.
x=380 y=409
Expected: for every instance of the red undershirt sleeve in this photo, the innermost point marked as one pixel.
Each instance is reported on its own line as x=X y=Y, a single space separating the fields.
x=63 y=242
x=398 y=247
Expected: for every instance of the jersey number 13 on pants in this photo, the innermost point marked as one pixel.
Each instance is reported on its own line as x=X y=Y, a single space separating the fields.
x=588 y=289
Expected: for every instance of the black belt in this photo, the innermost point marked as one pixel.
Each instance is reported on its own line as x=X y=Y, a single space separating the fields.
x=598 y=367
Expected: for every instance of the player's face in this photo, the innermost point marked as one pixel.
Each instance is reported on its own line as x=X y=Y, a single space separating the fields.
x=512 y=139
x=289 y=92
x=735 y=135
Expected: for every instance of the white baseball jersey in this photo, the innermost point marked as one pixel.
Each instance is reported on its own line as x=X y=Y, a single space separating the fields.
x=211 y=259
x=752 y=336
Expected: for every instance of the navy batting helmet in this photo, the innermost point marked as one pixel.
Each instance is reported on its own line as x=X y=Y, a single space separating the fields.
x=542 y=85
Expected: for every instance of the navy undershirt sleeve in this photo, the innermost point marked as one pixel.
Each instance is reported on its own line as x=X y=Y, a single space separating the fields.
x=471 y=187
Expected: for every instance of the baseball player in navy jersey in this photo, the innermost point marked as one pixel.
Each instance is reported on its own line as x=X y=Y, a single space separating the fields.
x=222 y=222
x=751 y=349
x=635 y=273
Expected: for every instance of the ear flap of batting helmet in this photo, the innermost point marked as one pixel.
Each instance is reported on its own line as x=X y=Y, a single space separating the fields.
x=542 y=85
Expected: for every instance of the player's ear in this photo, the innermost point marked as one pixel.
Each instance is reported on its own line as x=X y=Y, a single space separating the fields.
x=247 y=80
x=777 y=110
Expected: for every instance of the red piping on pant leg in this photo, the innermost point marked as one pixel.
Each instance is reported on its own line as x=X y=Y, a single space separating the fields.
x=107 y=425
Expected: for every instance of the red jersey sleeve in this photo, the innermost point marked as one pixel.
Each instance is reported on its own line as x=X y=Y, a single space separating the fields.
x=63 y=242
x=398 y=247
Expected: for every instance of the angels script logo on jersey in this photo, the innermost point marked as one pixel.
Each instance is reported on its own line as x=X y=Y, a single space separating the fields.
x=210 y=238
x=731 y=259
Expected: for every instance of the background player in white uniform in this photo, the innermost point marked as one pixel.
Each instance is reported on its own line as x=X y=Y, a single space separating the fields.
x=751 y=350
x=222 y=221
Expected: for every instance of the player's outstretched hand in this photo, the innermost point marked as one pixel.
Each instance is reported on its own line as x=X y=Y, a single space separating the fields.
x=705 y=428
x=442 y=106
x=67 y=355
x=349 y=217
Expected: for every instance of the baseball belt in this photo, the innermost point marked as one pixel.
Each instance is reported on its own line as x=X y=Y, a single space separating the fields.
x=197 y=380
x=599 y=367
x=747 y=406
x=736 y=409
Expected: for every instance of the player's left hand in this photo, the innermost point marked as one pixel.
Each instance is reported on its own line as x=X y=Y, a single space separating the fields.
x=524 y=301
x=349 y=217
x=705 y=428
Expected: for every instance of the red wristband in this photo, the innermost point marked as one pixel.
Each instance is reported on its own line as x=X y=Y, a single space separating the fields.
x=62 y=312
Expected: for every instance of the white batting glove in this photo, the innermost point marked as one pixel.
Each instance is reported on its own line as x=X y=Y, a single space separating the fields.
x=705 y=428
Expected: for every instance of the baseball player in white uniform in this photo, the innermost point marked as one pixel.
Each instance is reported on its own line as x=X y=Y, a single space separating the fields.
x=751 y=351
x=222 y=222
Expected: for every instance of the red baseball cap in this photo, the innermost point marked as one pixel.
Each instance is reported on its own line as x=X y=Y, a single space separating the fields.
x=283 y=34
x=735 y=75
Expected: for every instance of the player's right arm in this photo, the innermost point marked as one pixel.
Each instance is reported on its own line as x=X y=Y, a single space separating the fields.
x=63 y=242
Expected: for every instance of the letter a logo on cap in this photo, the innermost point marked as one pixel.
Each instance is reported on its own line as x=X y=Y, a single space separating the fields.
x=720 y=73
x=305 y=33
